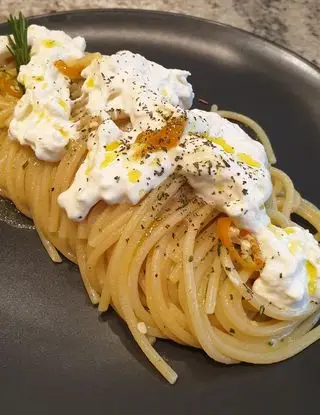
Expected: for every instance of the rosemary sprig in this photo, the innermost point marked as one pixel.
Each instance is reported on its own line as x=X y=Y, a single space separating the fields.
x=18 y=41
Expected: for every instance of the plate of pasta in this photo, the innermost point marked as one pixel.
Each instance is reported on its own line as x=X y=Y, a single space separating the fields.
x=158 y=216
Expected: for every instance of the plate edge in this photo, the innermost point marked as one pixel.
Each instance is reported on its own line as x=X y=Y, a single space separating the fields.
x=275 y=45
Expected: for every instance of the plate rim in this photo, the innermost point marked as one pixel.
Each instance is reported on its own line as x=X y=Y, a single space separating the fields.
x=189 y=17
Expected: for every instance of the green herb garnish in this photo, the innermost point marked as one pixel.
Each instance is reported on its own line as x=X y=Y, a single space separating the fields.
x=18 y=41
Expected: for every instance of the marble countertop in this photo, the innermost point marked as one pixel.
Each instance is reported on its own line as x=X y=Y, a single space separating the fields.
x=292 y=23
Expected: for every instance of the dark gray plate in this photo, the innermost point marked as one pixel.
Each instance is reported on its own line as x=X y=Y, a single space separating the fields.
x=56 y=355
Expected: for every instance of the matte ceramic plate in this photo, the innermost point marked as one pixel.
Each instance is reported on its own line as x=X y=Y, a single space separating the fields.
x=56 y=355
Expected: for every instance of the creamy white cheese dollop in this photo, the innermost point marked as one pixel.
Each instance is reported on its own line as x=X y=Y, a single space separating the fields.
x=112 y=81
x=291 y=275
x=225 y=167
x=148 y=96
x=42 y=116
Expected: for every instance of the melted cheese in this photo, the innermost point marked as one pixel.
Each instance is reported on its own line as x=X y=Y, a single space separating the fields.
x=42 y=116
x=122 y=166
x=291 y=275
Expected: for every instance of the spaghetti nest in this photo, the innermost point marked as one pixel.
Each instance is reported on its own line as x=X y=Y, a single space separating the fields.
x=160 y=264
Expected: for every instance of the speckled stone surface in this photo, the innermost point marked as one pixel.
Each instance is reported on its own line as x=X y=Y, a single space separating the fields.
x=292 y=23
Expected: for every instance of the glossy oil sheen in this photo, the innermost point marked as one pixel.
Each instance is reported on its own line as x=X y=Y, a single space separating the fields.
x=56 y=355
